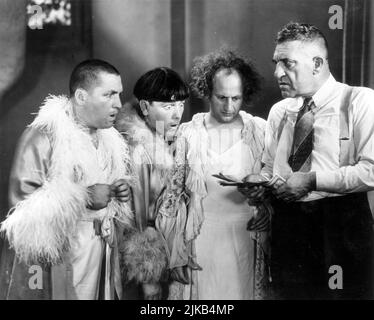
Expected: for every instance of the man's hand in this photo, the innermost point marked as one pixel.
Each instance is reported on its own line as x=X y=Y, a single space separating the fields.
x=121 y=190
x=100 y=196
x=261 y=222
x=181 y=274
x=297 y=186
x=152 y=291
x=255 y=194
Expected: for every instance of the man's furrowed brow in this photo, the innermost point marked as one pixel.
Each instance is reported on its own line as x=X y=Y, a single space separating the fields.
x=112 y=91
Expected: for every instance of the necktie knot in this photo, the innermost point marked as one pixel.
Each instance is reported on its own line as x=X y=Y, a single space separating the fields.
x=309 y=103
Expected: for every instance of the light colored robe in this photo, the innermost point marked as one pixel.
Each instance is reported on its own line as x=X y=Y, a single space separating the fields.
x=190 y=188
x=154 y=164
x=54 y=164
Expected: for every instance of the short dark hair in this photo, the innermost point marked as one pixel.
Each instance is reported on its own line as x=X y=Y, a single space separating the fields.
x=161 y=84
x=205 y=68
x=86 y=73
x=302 y=32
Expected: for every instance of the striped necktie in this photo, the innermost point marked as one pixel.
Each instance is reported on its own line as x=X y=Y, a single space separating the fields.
x=302 y=147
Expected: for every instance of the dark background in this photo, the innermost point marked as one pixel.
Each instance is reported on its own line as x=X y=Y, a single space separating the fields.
x=137 y=35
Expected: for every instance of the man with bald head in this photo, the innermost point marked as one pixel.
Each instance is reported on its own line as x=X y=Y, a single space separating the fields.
x=320 y=140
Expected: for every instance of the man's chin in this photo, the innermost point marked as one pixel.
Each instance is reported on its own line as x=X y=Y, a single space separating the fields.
x=287 y=94
x=228 y=119
x=170 y=134
x=109 y=125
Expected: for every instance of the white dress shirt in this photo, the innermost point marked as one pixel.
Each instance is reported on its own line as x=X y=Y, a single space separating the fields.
x=331 y=179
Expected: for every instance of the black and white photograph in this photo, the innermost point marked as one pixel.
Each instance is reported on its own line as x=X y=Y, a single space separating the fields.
x=186 y=150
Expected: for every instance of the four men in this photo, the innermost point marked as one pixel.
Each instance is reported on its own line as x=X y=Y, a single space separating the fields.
x=69 y=183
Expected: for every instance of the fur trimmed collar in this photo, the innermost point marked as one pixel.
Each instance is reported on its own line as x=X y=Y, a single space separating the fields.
x=44 y=224
x=148 y=147
x=73 y=150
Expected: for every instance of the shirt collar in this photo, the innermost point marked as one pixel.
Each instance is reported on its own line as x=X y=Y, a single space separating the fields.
x=325 y=93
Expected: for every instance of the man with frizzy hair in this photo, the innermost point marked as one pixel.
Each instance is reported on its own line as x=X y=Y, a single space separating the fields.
x=320 y=140
x=226 y=234
x=68 y=187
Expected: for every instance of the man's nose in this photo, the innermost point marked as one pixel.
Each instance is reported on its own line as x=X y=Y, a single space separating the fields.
x=117 y=104
x=229 y=103
x=177 y=115
x=279 y=71
x=178 y=112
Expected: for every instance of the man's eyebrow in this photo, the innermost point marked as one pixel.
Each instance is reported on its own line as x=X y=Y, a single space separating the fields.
x=111 y=91
x=284 y=60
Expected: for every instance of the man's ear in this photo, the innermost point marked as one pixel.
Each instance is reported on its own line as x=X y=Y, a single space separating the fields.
x=144 y=106
x=317 y=64
x=80 y=96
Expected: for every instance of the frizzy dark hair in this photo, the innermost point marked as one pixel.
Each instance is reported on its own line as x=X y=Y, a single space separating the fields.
x=86 y=73
x=206 y=67
x=300 y=31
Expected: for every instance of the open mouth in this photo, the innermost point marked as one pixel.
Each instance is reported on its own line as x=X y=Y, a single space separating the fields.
x=172 y=128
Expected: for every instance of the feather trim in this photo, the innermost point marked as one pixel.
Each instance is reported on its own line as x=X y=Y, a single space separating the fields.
x=149 y=148
x=122 y=212
x=42 y=227
x=144 y=256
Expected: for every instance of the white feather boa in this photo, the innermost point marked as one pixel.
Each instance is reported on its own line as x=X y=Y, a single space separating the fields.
x=43 y=226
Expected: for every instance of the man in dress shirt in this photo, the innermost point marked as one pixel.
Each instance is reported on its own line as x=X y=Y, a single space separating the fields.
x=320 y=140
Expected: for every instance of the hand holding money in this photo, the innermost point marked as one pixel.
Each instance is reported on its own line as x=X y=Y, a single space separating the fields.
x=257 y=187
x=275 y=182
x=249 y=181
x=254 y=188
x=252 y=180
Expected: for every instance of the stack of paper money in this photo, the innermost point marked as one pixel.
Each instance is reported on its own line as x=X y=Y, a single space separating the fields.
x=227 y=180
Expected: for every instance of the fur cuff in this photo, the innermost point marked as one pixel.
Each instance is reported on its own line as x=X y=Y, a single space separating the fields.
x=143 y=256
x=41 y=227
